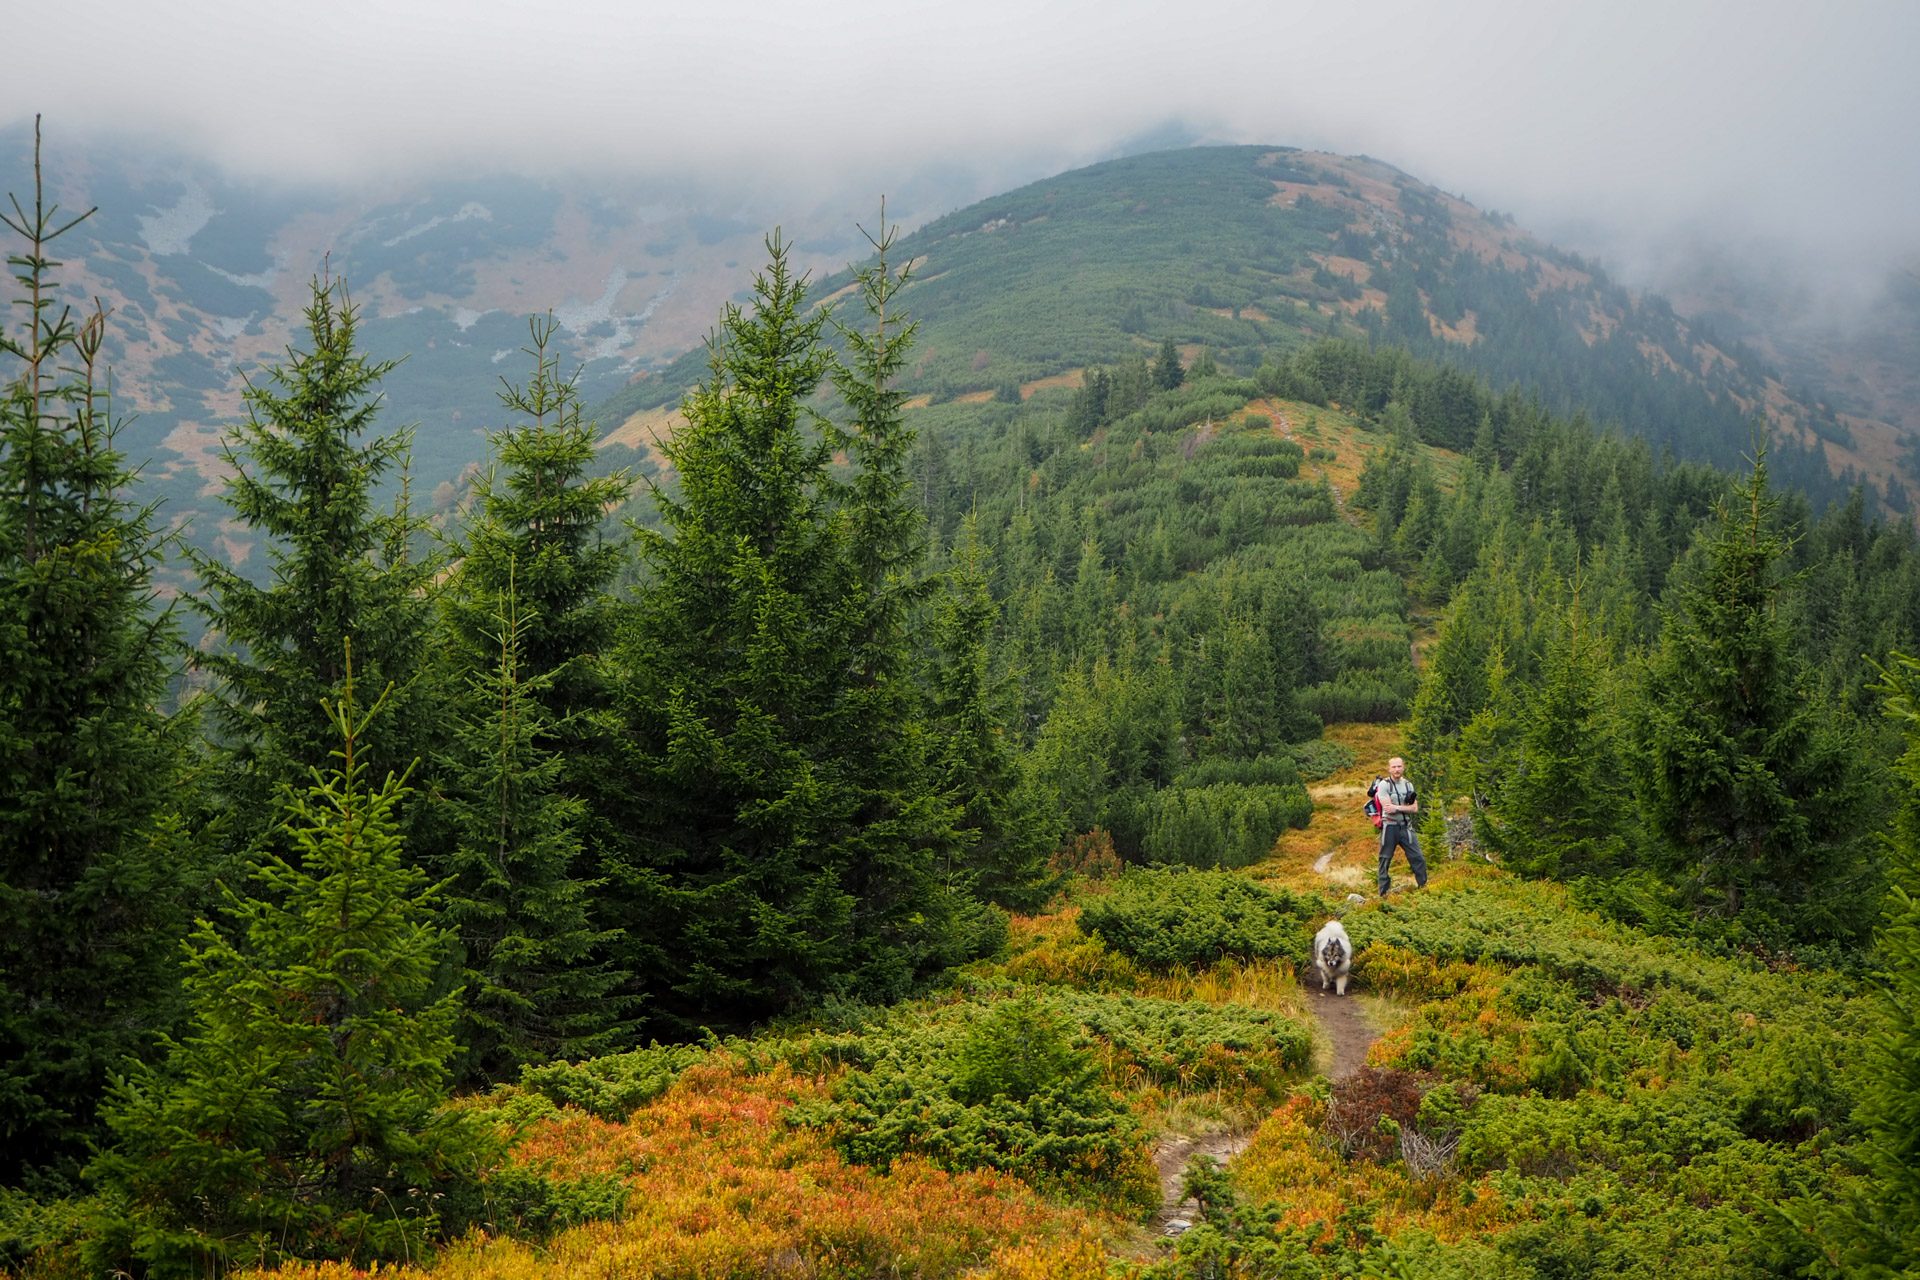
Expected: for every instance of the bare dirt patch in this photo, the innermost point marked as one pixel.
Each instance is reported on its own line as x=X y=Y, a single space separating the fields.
x=1348 y=1034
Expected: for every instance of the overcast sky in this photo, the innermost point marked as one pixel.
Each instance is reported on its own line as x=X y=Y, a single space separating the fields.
x=1621 y=123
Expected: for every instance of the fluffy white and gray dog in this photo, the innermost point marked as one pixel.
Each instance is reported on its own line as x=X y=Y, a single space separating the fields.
x=1333 y=956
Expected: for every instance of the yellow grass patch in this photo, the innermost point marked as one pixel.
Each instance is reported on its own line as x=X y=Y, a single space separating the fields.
x=1049 y=949
x=1082 y=1258
x=1465 y=333
x=647 y=428
x=1071 y=379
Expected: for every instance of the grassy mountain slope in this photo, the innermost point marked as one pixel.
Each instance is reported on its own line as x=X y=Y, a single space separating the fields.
x=1253 y=250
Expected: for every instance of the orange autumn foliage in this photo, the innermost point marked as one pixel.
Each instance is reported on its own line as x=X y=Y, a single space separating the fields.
x=1291 y=1164
x=1084 y=1257
x=722 y=1186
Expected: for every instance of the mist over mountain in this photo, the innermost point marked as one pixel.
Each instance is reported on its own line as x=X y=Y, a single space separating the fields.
x=1251 y=252
x=1245 y=251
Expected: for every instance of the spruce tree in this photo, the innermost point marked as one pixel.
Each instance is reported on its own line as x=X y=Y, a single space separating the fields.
x=785 y=830
x=1167 y=372
x=340 y=570
x=1007 y=827
x=1873 y=1227
x=521 y=912
x=1750 y=782
x=531 y=616
x=1561 y=806
x=95 y=871
x=904 y=822
x=537 y=521
x=1891 y=1107
x=303 y=1113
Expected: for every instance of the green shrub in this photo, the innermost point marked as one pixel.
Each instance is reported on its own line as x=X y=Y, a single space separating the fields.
x=518 y=1201
x=1012 y=1087
x=1188 y=1044
x=1321 y=759
x=1058 y=1134
x=1224 y=825
x=1166 y=918
x=614 y=1086
x=1028 y=1082
x=1353 y=698
x=1266 y=770
x=1017 y=1050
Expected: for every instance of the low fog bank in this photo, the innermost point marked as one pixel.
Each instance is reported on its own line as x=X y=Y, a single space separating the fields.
x=1765 y=117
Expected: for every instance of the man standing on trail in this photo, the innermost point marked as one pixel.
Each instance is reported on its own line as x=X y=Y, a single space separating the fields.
x=1398 y=801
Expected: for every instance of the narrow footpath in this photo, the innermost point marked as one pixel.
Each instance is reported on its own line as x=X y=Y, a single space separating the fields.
x=1335 y=851
x=1346 y=1029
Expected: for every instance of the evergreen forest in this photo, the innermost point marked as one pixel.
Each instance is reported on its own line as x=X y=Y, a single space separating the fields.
x=879 y=829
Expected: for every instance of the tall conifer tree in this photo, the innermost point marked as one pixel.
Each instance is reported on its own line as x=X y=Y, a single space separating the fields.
x=340 y=569
x=786 y=830
x=94 y=874
x=521 y=910
x=1167 y=372
x=1008 y=827
x=1750 y=782
x=1561 y=805
x=904 y=820
x=1873 y=1227
x=537 y=521
x=531 y=615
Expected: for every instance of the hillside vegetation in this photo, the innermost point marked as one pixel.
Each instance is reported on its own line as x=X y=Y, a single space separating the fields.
x=1254 y=251
x=897 y=851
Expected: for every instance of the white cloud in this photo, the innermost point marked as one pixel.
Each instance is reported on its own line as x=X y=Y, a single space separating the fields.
x=1769 y=117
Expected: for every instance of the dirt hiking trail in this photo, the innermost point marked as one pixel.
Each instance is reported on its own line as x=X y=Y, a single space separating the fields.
x=1340 y=846
x=1347 y=1031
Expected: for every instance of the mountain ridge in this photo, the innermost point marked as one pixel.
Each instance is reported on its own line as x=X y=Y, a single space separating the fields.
x=1251 y=250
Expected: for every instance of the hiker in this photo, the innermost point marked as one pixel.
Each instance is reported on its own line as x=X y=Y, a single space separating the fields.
x=1398 y=802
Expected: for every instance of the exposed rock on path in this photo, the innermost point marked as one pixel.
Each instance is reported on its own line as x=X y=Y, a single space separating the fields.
x=1170 y=1161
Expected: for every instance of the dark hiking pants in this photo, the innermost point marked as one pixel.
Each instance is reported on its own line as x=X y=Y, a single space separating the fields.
x=1401 y=834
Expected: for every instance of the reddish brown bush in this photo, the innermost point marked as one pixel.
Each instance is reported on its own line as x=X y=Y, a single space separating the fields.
x=1091 y=855
x=1359 y=1104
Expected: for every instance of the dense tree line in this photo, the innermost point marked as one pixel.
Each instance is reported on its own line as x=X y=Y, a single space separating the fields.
x=813 y=749
x=1652 y=677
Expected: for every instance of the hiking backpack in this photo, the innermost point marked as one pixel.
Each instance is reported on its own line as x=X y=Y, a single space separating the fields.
x=1372 y=809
